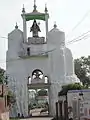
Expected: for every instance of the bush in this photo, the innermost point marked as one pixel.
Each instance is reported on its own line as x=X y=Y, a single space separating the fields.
x=68 y=87
x=11 y=99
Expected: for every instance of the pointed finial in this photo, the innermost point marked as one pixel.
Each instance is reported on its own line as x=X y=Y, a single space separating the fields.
x=23 y=9
x=55 y=26
x=16 y=26
x=34 y=6
x=34 y=2
x=46 y=10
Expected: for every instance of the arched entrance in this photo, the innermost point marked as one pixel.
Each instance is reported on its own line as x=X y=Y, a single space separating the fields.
x=38 y=97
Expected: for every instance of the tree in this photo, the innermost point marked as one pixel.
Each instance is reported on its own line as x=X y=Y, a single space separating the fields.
x=11 y=99
x=82 y=70
x=68 y=87
x=2 y=77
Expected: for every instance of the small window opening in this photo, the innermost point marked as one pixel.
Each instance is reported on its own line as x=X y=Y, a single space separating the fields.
x=28 y=51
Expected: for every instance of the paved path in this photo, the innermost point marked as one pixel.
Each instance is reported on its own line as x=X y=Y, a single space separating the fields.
x=45 y=118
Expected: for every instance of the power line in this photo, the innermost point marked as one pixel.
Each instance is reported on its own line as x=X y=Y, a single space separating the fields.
x=66 y=42
x=3 y=37
x=12 y=60
x=83 y=37
x=79 y=37
x=79 y=22
x=69 y=42
x=39 y=54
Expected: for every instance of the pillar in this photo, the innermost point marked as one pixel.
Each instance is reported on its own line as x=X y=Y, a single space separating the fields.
x=46 y=24
x=24 y=28
x=56 y=110
x=60 y=109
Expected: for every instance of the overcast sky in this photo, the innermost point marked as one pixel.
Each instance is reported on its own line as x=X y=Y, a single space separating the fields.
x=66 y=13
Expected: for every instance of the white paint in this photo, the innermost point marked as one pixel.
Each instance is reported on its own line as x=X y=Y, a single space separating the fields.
x=24 y=27
x=46 y=23
x=58 y=70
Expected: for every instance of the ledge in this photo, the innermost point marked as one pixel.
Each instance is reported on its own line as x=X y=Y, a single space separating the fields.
x=34 y=56
x=40 y=85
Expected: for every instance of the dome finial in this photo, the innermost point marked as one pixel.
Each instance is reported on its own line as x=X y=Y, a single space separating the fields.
x=16 y=26
x=55 y=26
x=46 y=10
x=34 y=6
x=23 y=9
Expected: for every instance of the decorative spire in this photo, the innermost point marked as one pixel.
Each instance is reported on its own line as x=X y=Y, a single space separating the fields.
x=46 y=10
x=23 y=9
x=16 y=27
x=35 y=6
x=55 y=26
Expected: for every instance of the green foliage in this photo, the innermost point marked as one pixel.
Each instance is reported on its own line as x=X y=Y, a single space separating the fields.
x=82 y=70
x=68 y=87
x=30 y=106
x=2 y=78
x=42 y=92
x=11 y=99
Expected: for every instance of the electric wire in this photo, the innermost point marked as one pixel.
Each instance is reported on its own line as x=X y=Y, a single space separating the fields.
x=83 y=18
x=76 y=40
x=69 y=42
x=84 y=36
